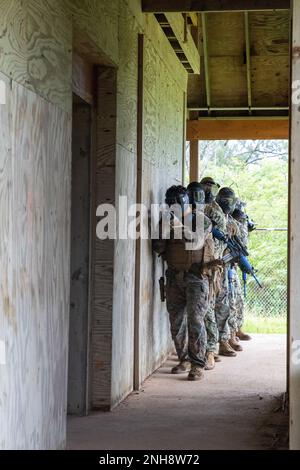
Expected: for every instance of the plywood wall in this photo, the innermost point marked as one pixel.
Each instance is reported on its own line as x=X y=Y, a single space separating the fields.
x=34 y=279
x=162 y=167
x=35 y=174
x=35 y=47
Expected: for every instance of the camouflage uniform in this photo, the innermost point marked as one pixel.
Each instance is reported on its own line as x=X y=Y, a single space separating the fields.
x=187 y=304
x=217 y=316
x=187 y=296
x=236 y=299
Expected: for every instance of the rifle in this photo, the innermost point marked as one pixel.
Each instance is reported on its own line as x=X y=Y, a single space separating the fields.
x=230 y=280
x=237 y=253
x=245 y=284
x=162 y=284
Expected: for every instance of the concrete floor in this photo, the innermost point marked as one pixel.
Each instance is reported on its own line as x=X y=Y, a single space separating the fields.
x=236 y=406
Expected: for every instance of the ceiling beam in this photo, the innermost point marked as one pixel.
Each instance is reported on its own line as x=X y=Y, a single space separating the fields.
x=161 y=6
x=206 y=62
x=248 y=59
x=238 y=129
x=183 y=37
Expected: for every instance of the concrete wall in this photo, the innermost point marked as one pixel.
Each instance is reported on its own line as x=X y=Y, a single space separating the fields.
x=35 y=174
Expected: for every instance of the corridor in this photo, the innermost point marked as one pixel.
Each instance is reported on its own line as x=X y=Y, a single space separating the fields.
x=238 y=406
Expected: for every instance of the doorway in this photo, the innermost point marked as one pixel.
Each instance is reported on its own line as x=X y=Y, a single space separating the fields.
x=80 y=257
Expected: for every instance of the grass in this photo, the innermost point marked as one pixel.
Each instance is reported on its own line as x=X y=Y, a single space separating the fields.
x=269 y=325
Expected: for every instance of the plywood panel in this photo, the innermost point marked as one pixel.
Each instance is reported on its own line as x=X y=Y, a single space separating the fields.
x=270 y=80
x=226 y=33
x=124 y=281
x=35 y=177
x=127 y=80
x=95 y=26
x=35 y=48
x=162 y=167
x=80 y=258
x=102 y=317
x=228 y=81
x=269 y=33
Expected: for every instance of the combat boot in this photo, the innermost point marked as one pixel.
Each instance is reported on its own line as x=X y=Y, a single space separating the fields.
x=196 y=373
x=210 y=361
x=226 y=350
x=183 y=366
x=217 y=358
x=234 y=343
x=243 y=336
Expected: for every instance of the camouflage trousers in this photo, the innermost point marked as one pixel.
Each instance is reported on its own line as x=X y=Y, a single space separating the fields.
x=187 y=304
x=236 y=302
x=218 y=313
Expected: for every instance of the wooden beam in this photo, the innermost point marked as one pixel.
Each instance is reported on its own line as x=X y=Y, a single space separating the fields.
x=83 y=78
x=184 y=37
x=139 y=170
x=294 y=242
x=162 y=6
x=238 y=129
x=194 y=18
x=194 y=160
x=248 y=59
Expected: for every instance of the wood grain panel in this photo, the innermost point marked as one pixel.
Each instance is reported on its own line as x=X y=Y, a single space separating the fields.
x=35 y=48
x=162 y=167
x=228 y=80
x=270 y=33
x=127 y=80
x=103 y=278
x=270 y=80
x=95 y=26
x=226 y=33
x=35 y=280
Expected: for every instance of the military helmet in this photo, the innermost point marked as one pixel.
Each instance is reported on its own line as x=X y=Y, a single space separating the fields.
x=210 y=187
x=196 y=193
x=238 y=214
x=177 y=195
x=227 y=200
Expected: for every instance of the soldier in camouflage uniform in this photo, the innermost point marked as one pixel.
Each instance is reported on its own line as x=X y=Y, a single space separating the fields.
x=219 y=311
x=187 y=290
x=242 y=221
x=235 y=290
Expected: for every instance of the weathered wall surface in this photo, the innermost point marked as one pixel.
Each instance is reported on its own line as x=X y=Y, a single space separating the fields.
x=35 y=220
x=35 y=156
x=162 y=167
x=35 y=173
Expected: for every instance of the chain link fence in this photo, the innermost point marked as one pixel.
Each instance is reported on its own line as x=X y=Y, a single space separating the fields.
x=266 y=307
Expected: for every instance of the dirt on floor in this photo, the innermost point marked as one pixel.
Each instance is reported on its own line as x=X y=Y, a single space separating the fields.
x=239 y=405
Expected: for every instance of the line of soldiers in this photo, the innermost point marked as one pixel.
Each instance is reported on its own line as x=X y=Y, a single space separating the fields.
x=203 y=290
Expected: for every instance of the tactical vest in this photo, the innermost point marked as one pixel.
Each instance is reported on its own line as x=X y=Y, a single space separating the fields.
x=180 y=259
